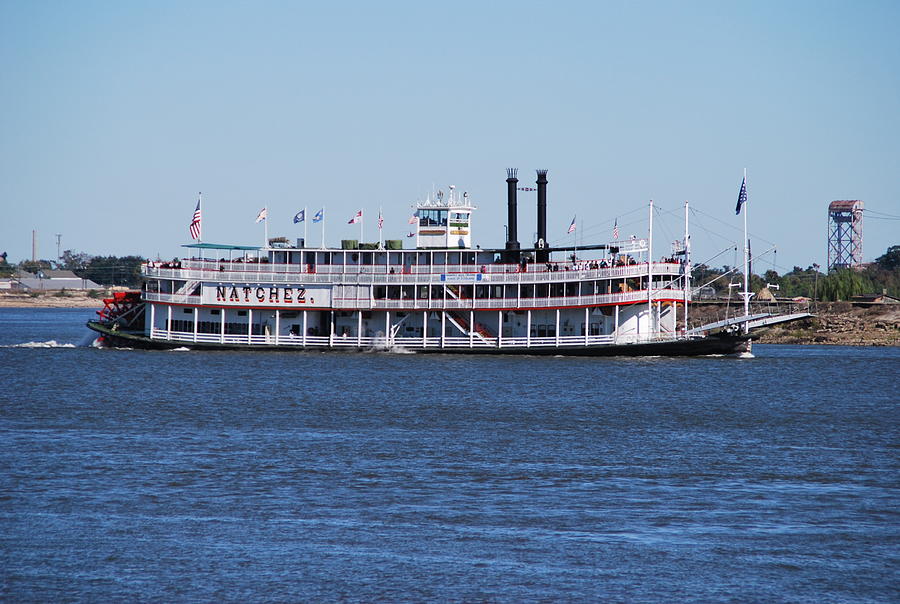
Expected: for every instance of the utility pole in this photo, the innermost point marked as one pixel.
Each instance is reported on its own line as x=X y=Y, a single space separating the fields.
x=58 y=240
x=816 y=286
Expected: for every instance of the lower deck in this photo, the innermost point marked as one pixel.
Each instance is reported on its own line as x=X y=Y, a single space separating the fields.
x=588 y=326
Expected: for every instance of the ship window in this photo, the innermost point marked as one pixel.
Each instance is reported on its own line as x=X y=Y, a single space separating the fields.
x=432 y=217
x=481 y=291
x=242 y=313
x=214 y=311
x=511 y=291
x=188 y=311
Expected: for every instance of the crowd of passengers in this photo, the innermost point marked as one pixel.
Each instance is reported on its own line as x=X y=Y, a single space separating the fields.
x=572 y=265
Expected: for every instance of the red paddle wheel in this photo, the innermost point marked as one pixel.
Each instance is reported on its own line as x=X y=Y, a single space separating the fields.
x=125 y=311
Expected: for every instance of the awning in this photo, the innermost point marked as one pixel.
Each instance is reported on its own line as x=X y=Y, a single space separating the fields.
x=220 y=246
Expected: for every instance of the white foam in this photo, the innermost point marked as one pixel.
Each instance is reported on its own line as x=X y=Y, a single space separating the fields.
x=47 y=344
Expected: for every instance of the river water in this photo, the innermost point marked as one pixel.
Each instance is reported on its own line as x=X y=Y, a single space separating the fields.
x=232 y=476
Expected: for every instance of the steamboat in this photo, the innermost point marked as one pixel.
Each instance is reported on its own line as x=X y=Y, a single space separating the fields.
x=444 y=296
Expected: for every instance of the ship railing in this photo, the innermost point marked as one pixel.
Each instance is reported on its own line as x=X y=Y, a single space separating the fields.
x=504 y=303
x=427 y=275
x=407 y=342
x=453 y=304
x=171 y=298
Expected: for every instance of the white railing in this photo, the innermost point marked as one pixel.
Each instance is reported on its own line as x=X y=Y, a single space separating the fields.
x=421 y=274
x=453 y=303
x=412 y=343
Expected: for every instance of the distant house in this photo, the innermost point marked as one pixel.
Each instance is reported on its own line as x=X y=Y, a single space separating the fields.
x=50 y=280
x=874 y=299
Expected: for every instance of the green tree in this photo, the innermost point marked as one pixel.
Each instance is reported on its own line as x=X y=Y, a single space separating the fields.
x=843 y=284
x=890 y=261
x=71 y=260
x=33 y=266
x=113 y=270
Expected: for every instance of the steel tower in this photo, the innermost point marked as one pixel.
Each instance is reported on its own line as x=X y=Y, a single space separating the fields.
x=845 y=236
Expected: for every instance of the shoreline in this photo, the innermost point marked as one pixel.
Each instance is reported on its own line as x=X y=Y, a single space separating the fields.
x=834 y=323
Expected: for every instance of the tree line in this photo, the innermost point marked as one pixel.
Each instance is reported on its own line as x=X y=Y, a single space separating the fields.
x=812 y=282
x=108 y=271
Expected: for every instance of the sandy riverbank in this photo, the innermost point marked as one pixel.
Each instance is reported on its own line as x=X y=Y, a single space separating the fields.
x=70 y=299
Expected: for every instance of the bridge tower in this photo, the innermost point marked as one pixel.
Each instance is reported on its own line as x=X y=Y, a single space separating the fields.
x=845 y=236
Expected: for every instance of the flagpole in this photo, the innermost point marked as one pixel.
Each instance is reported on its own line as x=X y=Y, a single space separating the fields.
x=746 y=259
x=305 y=225
x=380 y=223
x=687 y=265
x=650 y=271
x=323 y=228
x=360 y=227
x=575 y=244
x=266 y=228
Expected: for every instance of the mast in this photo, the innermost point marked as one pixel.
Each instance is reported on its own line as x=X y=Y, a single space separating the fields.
x=687 y=265
x=746 y=293
x=650 y=269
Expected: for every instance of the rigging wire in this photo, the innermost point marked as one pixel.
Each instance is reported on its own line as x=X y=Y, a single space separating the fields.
x=731 y=226
x=883 y=215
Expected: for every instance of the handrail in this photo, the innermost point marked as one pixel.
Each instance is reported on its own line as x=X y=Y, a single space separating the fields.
x=449 y=303
x=279 y=274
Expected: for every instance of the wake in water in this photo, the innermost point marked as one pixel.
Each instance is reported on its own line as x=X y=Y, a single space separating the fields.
x=88 y=340
x=47 y=344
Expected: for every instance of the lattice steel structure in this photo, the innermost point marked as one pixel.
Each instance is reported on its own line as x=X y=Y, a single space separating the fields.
x=845 y=235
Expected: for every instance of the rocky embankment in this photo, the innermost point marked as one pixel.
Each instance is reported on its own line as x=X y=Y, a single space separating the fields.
x=834 y=323
x=841 y=323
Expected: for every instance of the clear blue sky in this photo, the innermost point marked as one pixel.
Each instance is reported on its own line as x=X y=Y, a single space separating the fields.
x=115 y=114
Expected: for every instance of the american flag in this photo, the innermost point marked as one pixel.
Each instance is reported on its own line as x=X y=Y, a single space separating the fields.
x=616 y=230
x=413 y=219
x=742 y=196
x=380 y=220
x=356 y=218
x=572 y=226
x=195 y=223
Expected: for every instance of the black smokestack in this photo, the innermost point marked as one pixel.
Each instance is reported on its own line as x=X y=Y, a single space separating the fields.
x=541 y=256
x=512 y=238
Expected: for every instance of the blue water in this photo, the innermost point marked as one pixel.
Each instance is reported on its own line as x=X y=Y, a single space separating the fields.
x=225 y=476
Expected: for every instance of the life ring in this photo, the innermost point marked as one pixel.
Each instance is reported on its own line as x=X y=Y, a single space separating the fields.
x=540 y=243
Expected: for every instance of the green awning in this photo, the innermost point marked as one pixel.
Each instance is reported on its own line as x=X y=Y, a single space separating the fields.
x=220 y=246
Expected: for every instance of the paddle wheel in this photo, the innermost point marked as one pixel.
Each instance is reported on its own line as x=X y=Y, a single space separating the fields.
x=124 y=311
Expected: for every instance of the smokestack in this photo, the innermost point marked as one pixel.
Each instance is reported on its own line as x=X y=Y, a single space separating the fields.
x=541 y=256
x=512 y=237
